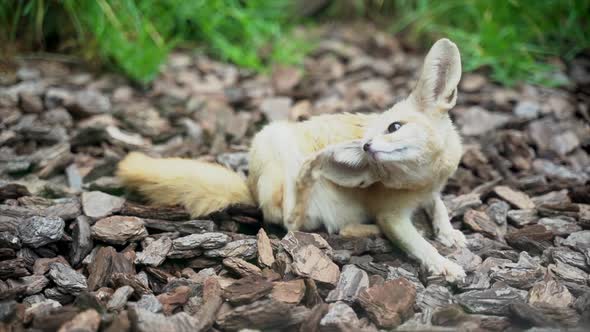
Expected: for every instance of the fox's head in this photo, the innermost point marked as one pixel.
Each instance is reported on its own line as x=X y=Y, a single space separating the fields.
x=419 y=125
x=416 y=131
x=412 y=144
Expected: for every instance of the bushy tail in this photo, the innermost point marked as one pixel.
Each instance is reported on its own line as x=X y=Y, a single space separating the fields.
x=202 y=188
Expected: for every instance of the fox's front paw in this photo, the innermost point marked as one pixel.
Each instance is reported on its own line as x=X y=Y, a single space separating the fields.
x=451 y=271
x=451 y=238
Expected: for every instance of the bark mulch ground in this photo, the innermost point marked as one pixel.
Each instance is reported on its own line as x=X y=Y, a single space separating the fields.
x=76 y=254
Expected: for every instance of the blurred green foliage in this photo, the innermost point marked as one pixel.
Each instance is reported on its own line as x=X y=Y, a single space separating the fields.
x=515 y=39
x=136 y=35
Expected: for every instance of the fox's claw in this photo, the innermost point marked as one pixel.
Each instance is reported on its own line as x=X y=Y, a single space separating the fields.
x=451 y=238
x=451 y=271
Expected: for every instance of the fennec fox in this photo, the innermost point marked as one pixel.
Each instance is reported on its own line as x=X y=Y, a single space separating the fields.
x=338 y=171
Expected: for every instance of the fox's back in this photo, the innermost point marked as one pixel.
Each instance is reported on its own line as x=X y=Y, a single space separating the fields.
x=324 y=130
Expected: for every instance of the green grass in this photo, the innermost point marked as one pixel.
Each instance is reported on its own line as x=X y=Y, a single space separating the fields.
x=515 y=39
x=136 y=35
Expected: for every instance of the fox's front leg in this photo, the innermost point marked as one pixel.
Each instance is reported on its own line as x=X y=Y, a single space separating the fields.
x=398 y=227
x=443 y=230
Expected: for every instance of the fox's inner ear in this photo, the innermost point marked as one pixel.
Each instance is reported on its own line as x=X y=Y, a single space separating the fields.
x=437 y=86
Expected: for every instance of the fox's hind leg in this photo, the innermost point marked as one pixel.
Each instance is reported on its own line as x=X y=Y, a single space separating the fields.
x=269 y=194
x=303 y=185
x=274 y=163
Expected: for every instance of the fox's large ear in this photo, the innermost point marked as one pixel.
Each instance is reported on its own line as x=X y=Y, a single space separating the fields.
x=437 y=86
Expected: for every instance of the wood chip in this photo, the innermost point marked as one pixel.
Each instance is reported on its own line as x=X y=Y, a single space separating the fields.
x=147 y=321
x=33 y=284
x=312 y=323
x=550 y=293
x=289 y=291
x=497 y=210
x=82 y=242
x=120 y=323
x=296 y=240
x=340 y=314
x=58 y=295
x=41 y=265
x=119 y=298
x=309 y=261
x=568 y=256
x=522 y=274
x=247 y=290
x=567 y=316
x=119 y=230
x=38 y=231
x=67 y=279
x=352 y=281
x=9 y=240
x=203 y=241
x=527 y=315
x=265 y=254
x=312 y=296
x=434 y=297
x=128 y=279
x=521 y=218
x=480 y=222
x=98 y=205
x=155 y=253
x=174 y=299
x=149 y=302
x=10 y=190
x=494 y=301
x=183 y=227
x=390 y=304
x=157 y=213
x=212 y=300
x=531 y=238
x=568 y=273
x=241 y=267
x=264 y=315
x=13 y=268
x=514 y=197
x=578 y=241
x=560 y=226
x=86 y=321
x=99 y=272
x=458 y=205
x=245 y=249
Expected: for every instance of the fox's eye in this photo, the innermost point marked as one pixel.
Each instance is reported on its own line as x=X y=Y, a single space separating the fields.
x=393 y=127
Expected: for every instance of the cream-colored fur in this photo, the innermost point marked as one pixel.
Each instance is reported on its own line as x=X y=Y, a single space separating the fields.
x=339 y=171
x=202 y=188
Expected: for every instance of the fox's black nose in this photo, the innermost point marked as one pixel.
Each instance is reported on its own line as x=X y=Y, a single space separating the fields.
x=367 y=147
